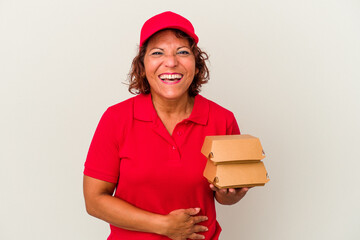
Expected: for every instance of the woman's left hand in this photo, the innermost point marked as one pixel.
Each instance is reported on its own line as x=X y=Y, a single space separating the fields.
x=229 y=196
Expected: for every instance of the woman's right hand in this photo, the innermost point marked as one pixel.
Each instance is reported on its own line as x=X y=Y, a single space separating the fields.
x=182 y=224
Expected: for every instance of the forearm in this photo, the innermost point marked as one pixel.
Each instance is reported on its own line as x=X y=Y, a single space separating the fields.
x=124 y=215
x=101 y=204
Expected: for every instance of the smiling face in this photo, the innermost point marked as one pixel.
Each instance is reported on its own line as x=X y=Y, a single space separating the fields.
x=169 y=66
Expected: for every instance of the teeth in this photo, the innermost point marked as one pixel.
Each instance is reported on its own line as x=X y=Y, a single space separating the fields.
x=170 y=76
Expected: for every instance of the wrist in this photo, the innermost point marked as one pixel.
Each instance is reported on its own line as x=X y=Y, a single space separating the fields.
x=160 y=224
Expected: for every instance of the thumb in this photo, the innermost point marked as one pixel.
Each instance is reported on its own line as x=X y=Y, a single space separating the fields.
x=192 y=211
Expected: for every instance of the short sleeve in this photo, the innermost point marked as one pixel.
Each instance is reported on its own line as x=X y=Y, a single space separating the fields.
x=232 y=128
x=103 y=161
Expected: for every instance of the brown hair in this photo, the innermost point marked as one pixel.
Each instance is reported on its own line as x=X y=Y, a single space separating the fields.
x=137 y=77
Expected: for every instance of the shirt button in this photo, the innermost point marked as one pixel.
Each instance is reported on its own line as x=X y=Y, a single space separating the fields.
x=179 y=133
x=173 y=147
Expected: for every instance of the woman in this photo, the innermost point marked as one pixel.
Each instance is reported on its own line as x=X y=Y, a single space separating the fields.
x=147 y=148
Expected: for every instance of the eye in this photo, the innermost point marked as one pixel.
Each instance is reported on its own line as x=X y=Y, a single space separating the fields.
x=184 y=52
x=156 y=53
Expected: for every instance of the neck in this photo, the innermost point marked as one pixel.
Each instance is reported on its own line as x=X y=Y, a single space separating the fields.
x=171 y=112
x=173 y=107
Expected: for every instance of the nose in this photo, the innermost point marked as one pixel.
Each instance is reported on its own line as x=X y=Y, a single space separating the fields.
x=170 y=60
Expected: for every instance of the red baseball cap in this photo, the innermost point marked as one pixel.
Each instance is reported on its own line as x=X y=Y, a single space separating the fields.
x=166 y=20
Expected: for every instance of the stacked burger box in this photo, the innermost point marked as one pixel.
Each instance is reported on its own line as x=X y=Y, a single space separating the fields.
x=234 y=161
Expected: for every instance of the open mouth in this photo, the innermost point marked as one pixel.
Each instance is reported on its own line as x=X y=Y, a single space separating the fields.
x=170 y=78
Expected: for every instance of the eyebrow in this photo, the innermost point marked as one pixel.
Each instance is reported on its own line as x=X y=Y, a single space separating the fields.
x=183 y=47
x=156 y=48
x=163 y=49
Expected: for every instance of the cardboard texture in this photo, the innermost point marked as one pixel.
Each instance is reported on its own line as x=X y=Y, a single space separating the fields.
x=232 y=148
x=234 y=161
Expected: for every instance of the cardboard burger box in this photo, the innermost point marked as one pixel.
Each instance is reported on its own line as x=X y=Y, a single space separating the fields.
x=234 y=161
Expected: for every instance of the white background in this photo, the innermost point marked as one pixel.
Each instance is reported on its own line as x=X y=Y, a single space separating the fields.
x=289 y=70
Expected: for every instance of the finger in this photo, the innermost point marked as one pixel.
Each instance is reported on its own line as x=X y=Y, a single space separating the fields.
x=200 y=228
x=196 y=236
x=232 y=191
x=199 y=219
x=192 y=211
x=223 y=191
x=212 y=187
x=242 y=191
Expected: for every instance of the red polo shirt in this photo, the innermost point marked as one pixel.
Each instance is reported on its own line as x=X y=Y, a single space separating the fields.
x=154 y=170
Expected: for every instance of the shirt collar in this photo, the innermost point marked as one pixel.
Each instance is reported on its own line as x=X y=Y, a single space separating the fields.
x=144 y=109
x=200 y=112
